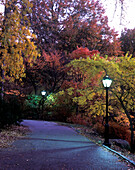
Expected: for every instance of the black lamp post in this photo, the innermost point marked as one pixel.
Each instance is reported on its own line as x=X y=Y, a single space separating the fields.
x=43 y=95
x=107 y=83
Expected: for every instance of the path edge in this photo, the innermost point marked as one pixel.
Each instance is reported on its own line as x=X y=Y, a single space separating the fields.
x=113 y=151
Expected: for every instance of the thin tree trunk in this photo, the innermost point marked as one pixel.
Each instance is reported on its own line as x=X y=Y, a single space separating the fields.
x=2 y=85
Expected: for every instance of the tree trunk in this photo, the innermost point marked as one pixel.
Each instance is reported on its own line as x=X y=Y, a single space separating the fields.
x=132 y=139
x=2 y=83
x=35 y=89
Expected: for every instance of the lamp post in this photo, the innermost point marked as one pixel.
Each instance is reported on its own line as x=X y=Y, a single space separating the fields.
x=107 y=83
x=43 y=99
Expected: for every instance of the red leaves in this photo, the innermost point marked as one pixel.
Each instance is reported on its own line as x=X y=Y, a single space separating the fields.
x=83 y=53
x=52 y=59
x=64 y=25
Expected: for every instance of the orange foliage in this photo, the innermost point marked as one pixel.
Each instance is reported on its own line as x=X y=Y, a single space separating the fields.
x=53 y=59
x=94 y=80
x=78 y=119
x=116 y=131
x=120 y=132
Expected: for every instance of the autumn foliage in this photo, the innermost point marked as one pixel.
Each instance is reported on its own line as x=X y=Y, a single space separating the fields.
x=15 y=40
x=128 y=41
x=64 y=25
x=83 y=53
x=48 y=72
x=92 y=97
x=65 y=48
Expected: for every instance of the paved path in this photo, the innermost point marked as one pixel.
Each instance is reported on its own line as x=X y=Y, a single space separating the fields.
x=54 y=147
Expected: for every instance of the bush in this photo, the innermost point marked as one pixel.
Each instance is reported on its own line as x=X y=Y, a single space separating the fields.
x=31 y=107
x=10 y=111
x=61 y=113
x=116 y=131
x=57 y=107
x=78 y=119
x=119 y=132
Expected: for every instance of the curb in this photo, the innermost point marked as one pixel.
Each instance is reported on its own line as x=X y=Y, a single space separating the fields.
x=115 y=152
x=125 y=158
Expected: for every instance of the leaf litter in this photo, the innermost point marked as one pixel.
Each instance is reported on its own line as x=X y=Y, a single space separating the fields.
x=12 y=133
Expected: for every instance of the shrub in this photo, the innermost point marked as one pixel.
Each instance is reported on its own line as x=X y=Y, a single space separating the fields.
x=31 y=107
x=119 y=132
x=10 y=111
x=116 y=131
x=58 y=107
x=78 y=119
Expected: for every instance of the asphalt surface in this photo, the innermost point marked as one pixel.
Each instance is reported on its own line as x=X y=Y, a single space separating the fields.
x=53 y=147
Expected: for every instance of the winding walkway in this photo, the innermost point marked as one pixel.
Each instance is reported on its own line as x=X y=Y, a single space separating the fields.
x=50 y=146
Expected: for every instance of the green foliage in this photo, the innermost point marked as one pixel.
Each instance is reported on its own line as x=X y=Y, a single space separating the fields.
x=121 y=92
x=31 y=107
x=32 y=101
x=58 y=107
x=37 y=107
x=121 y=70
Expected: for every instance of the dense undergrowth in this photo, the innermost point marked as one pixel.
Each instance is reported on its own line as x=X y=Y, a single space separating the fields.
x=10 y=111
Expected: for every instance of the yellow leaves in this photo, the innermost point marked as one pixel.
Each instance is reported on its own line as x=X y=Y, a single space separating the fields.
x=98 y=109
x=33 y=35
x=4 y=51
x=16 y=44
x=82 y=100
x=127 y=56
x=91 y=95
x=70 y=91
x=121 y=70
x=61 y=92
x=130 y=57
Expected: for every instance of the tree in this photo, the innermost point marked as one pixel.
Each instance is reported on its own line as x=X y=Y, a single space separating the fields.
x=15 y=40
x=119 y=9
x=75 y=83
x=47 y=72
x=63 y=25
x=122 y=71
x=128 y=41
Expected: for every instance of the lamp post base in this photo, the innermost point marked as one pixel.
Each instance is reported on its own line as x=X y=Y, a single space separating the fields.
x=107 y=144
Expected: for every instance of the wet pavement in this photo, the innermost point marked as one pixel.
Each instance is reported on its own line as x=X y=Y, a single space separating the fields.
x=50 y=146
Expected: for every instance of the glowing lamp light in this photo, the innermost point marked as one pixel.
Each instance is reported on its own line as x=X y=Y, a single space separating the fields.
x=43 y=93
x=107 y=81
